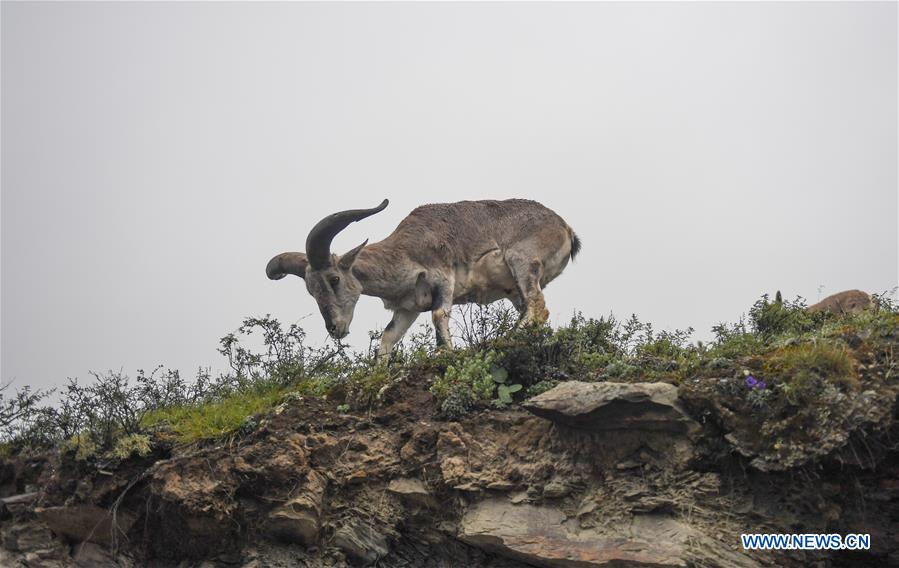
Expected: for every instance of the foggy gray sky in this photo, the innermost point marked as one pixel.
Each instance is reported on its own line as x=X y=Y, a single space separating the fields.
x=156 y=155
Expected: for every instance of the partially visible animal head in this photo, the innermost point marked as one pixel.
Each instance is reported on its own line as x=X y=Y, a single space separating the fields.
x=329 y=277
x=847 y=302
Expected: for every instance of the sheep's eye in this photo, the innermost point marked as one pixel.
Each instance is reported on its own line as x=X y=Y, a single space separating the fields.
x=334 y=280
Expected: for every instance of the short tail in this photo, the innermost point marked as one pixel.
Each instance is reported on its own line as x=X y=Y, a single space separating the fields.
x=575 y=244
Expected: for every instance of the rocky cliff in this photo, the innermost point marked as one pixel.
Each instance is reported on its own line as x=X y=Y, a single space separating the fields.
x=584 y=475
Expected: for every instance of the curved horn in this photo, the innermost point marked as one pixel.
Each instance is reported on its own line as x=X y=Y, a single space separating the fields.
x=318 y=243
x=286 y=263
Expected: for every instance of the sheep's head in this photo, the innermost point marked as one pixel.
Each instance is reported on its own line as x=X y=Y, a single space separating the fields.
x=329 y=278
x=336 y=290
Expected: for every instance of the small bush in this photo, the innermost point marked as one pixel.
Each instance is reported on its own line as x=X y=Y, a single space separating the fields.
x=779 y=317
x=13 y=409
x=456 y=404
x=533 y=353
x=82 y=445
x=365 y=382
x=734 y=340
x=474 y=377
x=885 y=301
x=472 y=371
x=478 y=324
x=285 y=358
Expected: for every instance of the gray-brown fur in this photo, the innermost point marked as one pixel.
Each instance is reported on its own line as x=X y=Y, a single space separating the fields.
x=440 y=255
x=846 y=302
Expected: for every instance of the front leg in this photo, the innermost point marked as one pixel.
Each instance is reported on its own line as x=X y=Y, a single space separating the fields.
x=441 y=307
x=395 y=330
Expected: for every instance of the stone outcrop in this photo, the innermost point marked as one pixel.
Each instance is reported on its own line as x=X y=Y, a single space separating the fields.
x=413 y=491
x=544 y=536
x=632 y=424
x=87 y=523
x=31 y=543
x=614 y=406
x=361 y=542
x=298 y=520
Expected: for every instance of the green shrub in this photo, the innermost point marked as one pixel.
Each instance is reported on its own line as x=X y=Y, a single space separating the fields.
x=82 y=445
x=366 y=381
x=19 y=410
x=471 y=371
x=504 y=390
x=475 y=325
x=456 y=404
x=733 y=341
x=473 y=378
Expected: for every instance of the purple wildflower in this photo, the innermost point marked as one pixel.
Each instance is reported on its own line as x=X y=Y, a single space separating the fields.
x=760 y=385
x=751 y=381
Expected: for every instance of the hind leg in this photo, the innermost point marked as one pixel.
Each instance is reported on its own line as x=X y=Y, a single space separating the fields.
x=519 y=304
x=528 y=272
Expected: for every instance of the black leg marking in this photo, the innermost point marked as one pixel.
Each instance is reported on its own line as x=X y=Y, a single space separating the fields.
x=436 y=297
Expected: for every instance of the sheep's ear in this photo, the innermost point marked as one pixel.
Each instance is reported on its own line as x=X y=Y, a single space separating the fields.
x=347 y=260
x=287 y=263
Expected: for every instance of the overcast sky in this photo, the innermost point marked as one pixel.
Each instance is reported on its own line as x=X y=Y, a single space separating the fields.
x=156 y=155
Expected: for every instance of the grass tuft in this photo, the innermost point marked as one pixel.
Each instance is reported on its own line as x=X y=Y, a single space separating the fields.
x=802 y=366
x=215 y=419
